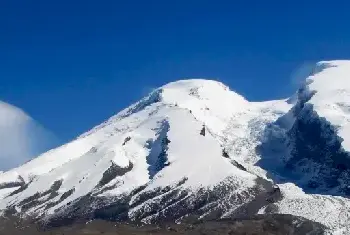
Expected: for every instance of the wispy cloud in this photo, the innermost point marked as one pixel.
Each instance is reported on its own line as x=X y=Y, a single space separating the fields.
x=300 y=74
x=21 y=138
x=147 y=90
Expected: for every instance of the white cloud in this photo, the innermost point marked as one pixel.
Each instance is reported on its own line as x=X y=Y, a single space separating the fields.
x=147 y=90
x=301 y=73
x=21 y=138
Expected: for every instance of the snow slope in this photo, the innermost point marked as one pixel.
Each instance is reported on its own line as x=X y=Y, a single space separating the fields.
x=331 y=85
x=194 y=149
x=80 y=165
x=310 y=144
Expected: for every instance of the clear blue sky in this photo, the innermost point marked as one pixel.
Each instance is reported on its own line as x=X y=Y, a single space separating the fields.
x=72 y=64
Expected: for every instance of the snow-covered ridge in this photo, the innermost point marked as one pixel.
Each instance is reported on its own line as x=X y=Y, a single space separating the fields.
x=310 y=148
x=196 y=149
x=331 y=86
x=197 y=113
x=198 y=95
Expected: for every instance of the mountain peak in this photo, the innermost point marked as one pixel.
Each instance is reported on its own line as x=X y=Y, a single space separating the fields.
x=200 y=95
x=194 y=84
x=197 y=89
x=333 y=62
x=195 y=149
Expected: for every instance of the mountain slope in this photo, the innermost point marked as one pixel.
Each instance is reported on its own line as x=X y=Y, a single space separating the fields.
x=310 y=145
x=168 y=141
x=194 y=150
x=158 y=143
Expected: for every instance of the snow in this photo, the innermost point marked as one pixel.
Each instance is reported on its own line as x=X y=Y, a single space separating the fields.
x=210 y=101
x=195 y=156
x=134 y=136
x=81 y=164
x=244 y=130
x=331 y=82
x=7 y=191
x=332 y=211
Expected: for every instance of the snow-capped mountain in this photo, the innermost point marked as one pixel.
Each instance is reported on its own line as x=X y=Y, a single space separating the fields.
x=194 y=149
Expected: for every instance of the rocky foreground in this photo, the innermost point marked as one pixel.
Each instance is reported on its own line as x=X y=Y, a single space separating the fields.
x=262 y=224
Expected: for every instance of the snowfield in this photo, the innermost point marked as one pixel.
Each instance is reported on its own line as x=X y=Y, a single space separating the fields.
x=194 y=149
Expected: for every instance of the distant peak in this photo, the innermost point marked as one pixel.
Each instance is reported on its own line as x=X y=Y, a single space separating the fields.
x=332 y=63
x=330 y=78
x=326 y=64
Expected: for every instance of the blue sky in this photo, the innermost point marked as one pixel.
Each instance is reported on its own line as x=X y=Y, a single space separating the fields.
x=72 y=64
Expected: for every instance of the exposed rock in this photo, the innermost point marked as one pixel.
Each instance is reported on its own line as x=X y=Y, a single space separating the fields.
x=263 y=224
